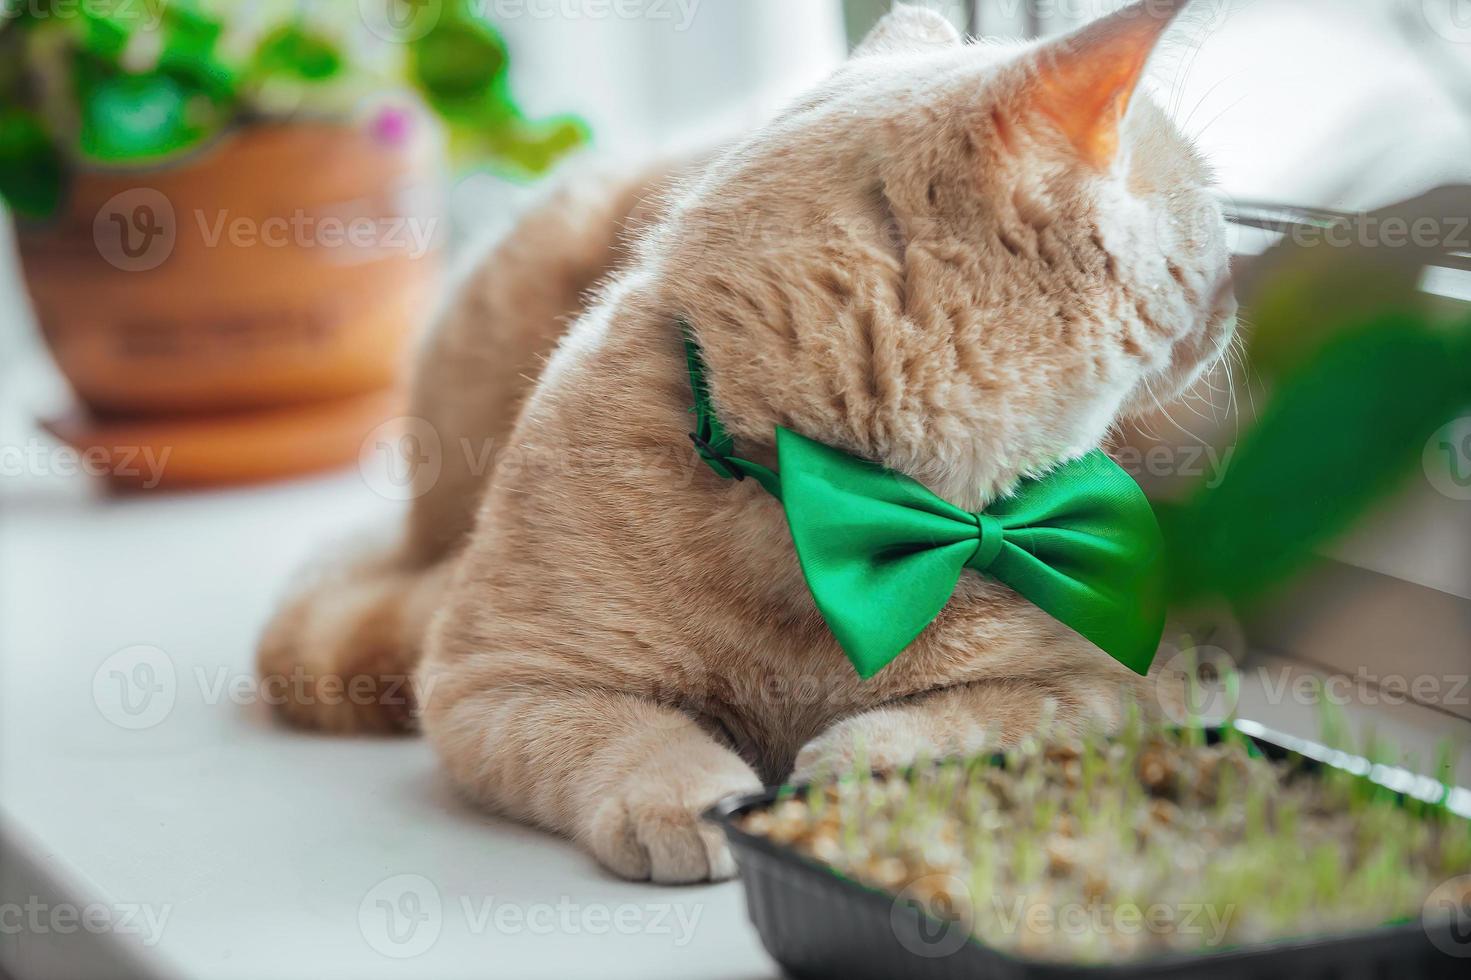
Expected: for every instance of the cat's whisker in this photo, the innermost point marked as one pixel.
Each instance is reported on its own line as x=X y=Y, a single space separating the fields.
x=1204 y=98
x=1139 y=429
x=1166 y=413
x=1185 y=402
x=1208 y=400
x=1218 y=117
x=1237 y=349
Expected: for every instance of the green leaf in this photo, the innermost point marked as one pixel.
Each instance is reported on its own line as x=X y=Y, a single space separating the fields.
x=131 y=118
x=459 y=62
x=1341 y=433
x=30 y=165
x=191 y=39
x=105 y=36
x=295 y=52
x=531 y=149
x=1319 y=280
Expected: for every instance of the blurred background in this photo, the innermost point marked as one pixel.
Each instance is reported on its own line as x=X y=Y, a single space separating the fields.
x=225 y=223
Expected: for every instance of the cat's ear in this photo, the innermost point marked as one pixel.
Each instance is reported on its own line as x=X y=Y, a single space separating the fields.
x=909 y=29
x=1084 y=82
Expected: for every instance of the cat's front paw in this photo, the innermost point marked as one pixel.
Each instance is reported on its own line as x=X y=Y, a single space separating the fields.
x=651 y=829
x=879 y=741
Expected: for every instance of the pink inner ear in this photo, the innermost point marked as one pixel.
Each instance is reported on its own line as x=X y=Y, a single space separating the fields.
x=1085 y=81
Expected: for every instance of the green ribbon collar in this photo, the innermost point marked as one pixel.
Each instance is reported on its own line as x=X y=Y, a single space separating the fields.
x=882 y=555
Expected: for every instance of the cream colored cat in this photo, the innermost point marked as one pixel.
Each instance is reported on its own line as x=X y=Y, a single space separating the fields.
x=968 y=262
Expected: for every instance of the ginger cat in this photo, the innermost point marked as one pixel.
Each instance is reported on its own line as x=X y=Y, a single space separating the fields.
x=968 y=262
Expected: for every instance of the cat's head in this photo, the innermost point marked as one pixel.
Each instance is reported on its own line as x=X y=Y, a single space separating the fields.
x=965 y=261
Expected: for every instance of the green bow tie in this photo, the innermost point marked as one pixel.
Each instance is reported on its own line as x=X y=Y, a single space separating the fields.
x=882 y=554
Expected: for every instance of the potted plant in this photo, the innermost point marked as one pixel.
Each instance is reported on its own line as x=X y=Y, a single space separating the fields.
x=229 y=215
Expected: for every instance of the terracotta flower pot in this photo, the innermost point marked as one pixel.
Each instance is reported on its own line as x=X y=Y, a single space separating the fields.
x=283 y=266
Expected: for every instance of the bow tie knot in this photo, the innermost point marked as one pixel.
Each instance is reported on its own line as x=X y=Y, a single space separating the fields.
x=992 y=539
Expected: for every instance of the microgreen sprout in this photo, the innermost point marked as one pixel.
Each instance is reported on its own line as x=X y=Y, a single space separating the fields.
x=1153 y=817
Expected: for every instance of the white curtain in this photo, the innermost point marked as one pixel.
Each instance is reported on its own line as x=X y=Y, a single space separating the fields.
x=650 y=76
x=676 y=65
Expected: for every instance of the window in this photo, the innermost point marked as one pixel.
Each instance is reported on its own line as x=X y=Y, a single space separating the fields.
x=1312 y=111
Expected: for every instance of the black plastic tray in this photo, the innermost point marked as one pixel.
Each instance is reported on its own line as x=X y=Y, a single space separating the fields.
x=818 y=924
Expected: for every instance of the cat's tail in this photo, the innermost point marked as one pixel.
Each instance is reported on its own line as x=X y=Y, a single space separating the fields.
x=340 y=655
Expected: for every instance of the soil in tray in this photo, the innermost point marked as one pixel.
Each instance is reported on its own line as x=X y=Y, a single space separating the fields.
x=1094 y=850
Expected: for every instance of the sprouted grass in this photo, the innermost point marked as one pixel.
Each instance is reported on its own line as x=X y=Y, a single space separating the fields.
x=1152 y=841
